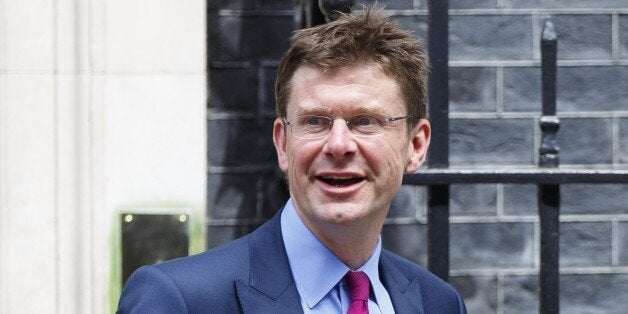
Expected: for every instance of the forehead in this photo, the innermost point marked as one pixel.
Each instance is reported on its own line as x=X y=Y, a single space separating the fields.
x=354 y=88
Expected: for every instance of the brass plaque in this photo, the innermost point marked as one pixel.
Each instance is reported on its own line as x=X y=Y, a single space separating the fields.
x=149 y=239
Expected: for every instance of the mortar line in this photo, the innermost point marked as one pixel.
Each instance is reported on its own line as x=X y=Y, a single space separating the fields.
x=577 y=217
x=537 y=245
x=536 y=139
x=535 y=62
x=499 y=90
x=543 y=11
x=493 y=219
x=500 y=293
x=615 y=149
x=536 y=114
x=615 y=243
x=487 y=12
x=253 y=13
x=261 y=90
x=593 y=217
x=420 y=201
x=615 y=36
x=259 y=198
x=500 y=200
x=524 y=271
x=404 y=221
x=536 y=37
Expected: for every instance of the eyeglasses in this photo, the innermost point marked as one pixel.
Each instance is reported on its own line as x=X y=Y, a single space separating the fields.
x=314 y=127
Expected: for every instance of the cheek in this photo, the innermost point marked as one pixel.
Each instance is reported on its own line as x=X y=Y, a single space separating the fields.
x=387 y=156
x=301 y=157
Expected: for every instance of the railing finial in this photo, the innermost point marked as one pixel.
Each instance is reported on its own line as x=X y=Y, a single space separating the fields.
x=549 y=121
x=548 y=29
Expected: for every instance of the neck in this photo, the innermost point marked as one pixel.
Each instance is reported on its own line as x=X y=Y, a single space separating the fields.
x=353 y=252
x=353 y=243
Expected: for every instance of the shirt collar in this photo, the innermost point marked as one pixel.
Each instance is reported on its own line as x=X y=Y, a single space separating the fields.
x=316 y=269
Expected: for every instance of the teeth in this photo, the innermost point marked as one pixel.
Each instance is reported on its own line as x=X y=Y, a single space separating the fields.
x=340 y=181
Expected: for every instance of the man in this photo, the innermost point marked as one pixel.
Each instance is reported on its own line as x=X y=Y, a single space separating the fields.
x=351 y=120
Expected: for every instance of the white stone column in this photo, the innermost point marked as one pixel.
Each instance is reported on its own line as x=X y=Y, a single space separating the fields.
x=102 y=110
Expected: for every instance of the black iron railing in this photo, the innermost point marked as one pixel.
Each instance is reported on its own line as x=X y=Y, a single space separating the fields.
x=438 y=177
x=438 y=158
x=549 y=194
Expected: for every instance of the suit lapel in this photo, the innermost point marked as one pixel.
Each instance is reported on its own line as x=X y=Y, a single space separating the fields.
x=271 y=288
x=405 y=294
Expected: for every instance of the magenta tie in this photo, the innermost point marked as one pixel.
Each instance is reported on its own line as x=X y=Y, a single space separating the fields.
x=359 y=288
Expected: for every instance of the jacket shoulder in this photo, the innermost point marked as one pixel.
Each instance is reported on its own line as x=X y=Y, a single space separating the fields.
x=189 y=284
x=413 y=271
x=437 y=295
x=225 y=261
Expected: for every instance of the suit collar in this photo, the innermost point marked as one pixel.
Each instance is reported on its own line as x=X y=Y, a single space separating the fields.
x=271 y=288
x=316 y=269
x=405 y=293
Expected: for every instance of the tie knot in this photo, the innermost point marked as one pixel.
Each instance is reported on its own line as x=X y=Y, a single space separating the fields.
x=359 y=285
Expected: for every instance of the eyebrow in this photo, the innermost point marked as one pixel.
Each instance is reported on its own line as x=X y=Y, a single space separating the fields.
x=325 y=111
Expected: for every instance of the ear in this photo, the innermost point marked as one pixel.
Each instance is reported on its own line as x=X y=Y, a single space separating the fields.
x=279 y=139
x=417 y=147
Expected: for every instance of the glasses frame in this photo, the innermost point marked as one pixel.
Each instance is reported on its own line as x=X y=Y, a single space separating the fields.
x=347 y=121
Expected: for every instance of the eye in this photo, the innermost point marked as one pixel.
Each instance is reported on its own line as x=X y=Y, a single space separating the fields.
x=309 y=125
x=365 y=121
x=312 y=121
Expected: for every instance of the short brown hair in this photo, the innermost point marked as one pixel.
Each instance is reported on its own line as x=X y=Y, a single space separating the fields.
x=356 y=39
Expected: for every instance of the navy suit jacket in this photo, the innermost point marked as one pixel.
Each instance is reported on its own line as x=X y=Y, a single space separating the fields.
x=252 y=275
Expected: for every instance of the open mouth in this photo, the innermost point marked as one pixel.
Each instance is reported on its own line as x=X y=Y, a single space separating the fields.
x=340 y=182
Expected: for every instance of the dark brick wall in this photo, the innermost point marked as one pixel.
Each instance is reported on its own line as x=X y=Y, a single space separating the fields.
x=246 y=39
x=495 y=108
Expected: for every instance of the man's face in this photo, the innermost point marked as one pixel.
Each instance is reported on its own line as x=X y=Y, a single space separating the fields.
x=343 y=178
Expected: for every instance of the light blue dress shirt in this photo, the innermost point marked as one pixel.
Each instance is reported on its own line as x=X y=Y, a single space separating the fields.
x=318 y=272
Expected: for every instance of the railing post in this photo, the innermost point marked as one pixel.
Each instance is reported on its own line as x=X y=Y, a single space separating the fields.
x=549 y=194
x=438 y=203
x=316 y=12
x=311 y=15
x=331 y=8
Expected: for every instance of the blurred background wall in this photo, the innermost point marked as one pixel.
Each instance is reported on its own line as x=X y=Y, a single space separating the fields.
x=102 y=111
x=495 y=105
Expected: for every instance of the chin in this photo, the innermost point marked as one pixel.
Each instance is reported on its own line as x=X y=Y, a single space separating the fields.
x=343 y=214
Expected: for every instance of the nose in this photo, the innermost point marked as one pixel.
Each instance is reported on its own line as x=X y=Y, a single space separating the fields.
x=340 y=142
